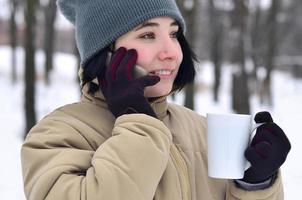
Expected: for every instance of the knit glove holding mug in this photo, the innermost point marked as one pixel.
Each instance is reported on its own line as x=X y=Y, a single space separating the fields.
x=267 y=151
x=125 y=93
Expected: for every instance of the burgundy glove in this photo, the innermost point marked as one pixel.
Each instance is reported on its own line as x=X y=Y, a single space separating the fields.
x=123 y=92
x=268 y=150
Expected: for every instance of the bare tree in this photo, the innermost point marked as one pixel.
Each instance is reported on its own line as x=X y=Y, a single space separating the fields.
x=30 y=73
x=13 y=37
x=216 y=35
x=240 y=90
x=272 y=48
x=189 y=9
x=78 y=62
x=256 y=36
x=50 y=16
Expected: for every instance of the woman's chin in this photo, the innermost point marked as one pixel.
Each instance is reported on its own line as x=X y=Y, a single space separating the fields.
x=157 y=92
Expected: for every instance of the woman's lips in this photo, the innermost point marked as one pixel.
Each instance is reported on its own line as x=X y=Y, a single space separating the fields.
x=163 y=73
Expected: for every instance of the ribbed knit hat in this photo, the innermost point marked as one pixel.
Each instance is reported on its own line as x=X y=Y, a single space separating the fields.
x=98 y=23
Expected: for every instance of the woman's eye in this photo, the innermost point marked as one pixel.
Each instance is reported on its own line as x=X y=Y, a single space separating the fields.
x=151 y=35
x=147 y=36
x=174 y=34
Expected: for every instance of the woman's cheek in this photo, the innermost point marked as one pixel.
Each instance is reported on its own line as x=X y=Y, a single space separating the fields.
x=143 y=57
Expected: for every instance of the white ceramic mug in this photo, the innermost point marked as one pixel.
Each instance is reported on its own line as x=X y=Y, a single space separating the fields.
x=228 y=136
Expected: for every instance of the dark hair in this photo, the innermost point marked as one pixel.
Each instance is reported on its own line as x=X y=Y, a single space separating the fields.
x=96 y=66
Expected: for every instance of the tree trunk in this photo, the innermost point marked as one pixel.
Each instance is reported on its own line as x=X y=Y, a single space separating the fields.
x=30 y=74
x=256 y=35
x=272 y=25
x=189 y=9
x=78 y=65
x=49 y=40
x=255 y=39
x=216 y=28
x=240 y=90
x=13 y=38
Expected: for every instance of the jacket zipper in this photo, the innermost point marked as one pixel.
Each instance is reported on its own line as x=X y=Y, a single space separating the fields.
x=182 y=170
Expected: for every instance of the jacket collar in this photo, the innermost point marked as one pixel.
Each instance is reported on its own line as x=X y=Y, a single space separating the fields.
x=159 y=105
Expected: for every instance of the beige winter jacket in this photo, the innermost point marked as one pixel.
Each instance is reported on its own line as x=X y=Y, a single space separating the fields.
x=80 y=151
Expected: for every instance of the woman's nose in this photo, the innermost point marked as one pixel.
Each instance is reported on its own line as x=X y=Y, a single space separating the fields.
x=168 y=49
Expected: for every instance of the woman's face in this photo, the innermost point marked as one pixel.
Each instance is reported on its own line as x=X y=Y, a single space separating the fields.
x=158 y=49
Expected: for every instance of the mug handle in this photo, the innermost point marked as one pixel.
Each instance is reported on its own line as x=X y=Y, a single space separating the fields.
x=253 y=132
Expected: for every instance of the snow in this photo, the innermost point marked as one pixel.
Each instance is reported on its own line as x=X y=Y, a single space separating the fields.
x=287 y=112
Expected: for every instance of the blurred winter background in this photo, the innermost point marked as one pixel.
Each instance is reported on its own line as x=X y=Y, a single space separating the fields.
x=250 y=55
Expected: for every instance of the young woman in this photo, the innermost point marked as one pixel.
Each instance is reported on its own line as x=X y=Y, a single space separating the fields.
x=123 y=140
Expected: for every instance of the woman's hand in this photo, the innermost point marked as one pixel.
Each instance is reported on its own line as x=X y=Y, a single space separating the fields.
x=123 y=92
x=268 y=150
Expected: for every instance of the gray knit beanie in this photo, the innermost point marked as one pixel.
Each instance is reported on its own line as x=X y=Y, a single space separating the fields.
x=98 y=23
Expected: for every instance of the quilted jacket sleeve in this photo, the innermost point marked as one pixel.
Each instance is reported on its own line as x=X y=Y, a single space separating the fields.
x=274 y=192
x=58 y=162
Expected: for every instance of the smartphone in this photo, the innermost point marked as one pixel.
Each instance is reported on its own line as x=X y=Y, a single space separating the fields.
x=138 y=70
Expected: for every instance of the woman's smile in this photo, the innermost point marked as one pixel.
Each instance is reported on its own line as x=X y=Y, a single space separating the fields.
x=163 y=73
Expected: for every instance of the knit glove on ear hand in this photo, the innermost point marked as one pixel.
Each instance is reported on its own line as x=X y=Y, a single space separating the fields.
x=268 y=150
x=123 y=92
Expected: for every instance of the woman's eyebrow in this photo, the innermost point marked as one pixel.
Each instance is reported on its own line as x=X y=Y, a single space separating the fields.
x=174 y=23
x=153 y=24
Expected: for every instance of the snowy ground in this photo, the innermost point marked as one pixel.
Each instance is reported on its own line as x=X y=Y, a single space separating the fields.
x=287 y=112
